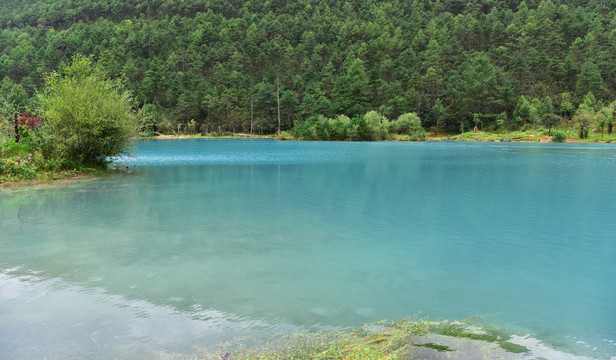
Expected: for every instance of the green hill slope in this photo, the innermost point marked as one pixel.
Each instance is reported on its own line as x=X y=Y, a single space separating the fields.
x=206 y=60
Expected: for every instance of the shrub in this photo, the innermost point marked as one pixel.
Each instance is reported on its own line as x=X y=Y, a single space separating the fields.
x=550 y=121
x=285 y=136
x=88 y=116
x=410 y=124
x=353 y=132
x=559 y=137
x=583 y=119
x=339 y=127
x=12 y=149
x=306 y=130
x=21 y=167
x=376 y=126
x=356 y=130
x=323 y=128
x=526 y=127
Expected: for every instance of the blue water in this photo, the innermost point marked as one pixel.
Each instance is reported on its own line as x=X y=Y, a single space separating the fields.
x=206 y=240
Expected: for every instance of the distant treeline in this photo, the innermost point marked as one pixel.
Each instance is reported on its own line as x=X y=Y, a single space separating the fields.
x=199 y=65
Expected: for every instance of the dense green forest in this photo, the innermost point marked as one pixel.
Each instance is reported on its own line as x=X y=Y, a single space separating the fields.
x=198 y=66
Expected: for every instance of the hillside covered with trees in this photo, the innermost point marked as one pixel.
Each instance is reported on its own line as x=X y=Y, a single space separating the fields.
x=196 y=66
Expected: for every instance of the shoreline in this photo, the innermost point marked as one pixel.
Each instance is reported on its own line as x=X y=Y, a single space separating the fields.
x=60 y=178
x=538 y=137
x=542 y=137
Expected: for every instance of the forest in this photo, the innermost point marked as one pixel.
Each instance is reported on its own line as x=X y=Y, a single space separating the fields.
x=209 y=66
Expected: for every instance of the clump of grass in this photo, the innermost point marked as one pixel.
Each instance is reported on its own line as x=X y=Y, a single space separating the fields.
x=559 y=137
x=362 y=343
x=284 y=135
x=461 y=330
x=480 y=136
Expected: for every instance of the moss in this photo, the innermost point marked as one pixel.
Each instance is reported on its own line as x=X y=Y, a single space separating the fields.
x=513 y=348
x=461 y=330
x=437 y=347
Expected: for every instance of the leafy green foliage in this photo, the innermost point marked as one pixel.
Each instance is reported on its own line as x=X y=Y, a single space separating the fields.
x=14 y=149
x=370 y=127
x=376 y=126
x=550 y=120
x=409 y=124
x=88 y=117
x=559 y=137
x=583 y=119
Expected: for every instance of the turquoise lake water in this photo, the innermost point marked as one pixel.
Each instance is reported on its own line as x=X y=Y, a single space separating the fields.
x=206 y=240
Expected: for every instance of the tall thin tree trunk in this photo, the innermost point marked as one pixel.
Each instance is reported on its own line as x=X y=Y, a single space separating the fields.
x=278 y=97
x=16 y=126
x=251 y=114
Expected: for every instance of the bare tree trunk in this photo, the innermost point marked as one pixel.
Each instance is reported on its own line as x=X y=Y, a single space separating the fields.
x=251 y=114
x=16 y=126
x=278 y=97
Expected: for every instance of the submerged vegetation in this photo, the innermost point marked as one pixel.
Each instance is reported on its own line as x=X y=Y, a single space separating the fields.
x=404 y=339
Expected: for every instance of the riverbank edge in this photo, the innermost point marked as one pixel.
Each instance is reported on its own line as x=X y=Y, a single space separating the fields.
x=538 y=136
x=60 y=178
x=70 y=176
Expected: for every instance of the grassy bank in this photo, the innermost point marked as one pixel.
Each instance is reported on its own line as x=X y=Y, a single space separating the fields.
x=210 y=136
x=538 y=136
x=24 y=164
x=56 y=177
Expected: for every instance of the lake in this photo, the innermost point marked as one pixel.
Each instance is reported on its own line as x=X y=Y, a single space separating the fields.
x=206 y=240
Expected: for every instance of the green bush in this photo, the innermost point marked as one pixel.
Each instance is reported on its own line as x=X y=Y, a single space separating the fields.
x=356 y=130
x=527 y=127
x=353 y=132
x=306 y=130
x=284 y=135
x=550 y=121
x=12 y=149
x=376 y=126
x=21 y=167
x=410 y=124
x=323 y=128
x=419 y=135
x=339 y=127
x=88 y=116
x=559 y=137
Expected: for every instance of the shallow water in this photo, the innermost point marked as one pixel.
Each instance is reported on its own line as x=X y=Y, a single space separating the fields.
x=208 y=240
